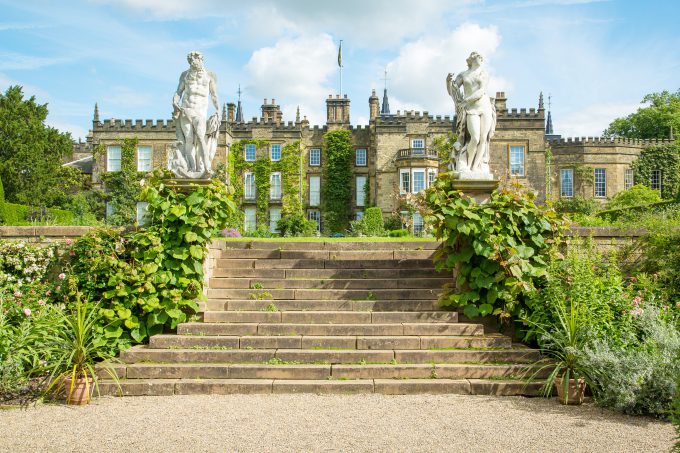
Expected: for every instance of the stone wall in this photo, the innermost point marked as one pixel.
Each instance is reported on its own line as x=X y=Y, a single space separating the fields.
x=42 y=234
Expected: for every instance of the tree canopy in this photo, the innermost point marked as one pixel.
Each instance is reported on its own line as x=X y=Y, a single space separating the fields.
x=654 y=120
x=31 y=153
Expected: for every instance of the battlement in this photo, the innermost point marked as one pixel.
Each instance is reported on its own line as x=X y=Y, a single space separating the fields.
x=599 y=141
x=269 y=122
x=413 y=116
x=520 y=114
x=130 y=125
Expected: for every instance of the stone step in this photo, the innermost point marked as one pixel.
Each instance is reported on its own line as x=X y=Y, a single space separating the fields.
x=268 y=329
x=166 y=387
x=324 y=294
x=326 y=342
x=328 y=255
x=272 y=283
x=428 y=272
x=319 y=305
x=324 y=245
x=329 y=317
x=238 y=263
x=322 y=371
x=146 y=354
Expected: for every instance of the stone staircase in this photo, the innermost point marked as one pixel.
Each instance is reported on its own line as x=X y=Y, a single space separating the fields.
x=325 y=317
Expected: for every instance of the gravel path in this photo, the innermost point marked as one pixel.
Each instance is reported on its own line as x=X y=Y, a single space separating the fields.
x=269 y=423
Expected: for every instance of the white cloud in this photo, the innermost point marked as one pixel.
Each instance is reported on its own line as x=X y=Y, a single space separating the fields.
x=417 y=75
x=14 y=61
x=125 y=96
x=294 y=71
x=591 y=120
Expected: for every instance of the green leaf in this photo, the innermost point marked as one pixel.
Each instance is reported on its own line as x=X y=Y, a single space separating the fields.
x=471 y=311
x=190 y=237
x=196 y=251
x=485 y=309
x=150 y=268
x=113 y=331
x=178 y=210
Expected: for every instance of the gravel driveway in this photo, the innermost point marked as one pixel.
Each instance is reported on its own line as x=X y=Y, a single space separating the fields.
x=272 y=423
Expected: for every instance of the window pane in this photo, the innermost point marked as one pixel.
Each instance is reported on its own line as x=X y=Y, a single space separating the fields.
x=417 y=143
x=418 y=180
x=517 y=160
x=360 y=183
x=315 y=157
x=656 y=180
x=431 y=176
x=250 y=152
x=109 y=209
x=249 y=186
x=143 y=158
x=142 y=208
x=276 y=152
x=359 y=215
x=275 y=186
x=274 y=217
x=250 y=223
x=113 y=158
x=405 y=182
x=418 y=224
x=315 y=216
x=361 y=157
x=314 y=190
x=600 y=182
x=567 y=182
x=628 y=178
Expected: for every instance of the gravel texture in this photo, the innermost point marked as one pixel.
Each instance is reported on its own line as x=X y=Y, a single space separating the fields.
x=272 y=423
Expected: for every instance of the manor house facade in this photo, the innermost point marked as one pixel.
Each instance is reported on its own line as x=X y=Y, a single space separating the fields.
x=393 y=154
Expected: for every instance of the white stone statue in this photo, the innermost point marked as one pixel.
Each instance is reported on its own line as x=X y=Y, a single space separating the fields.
x=475 y=121
x=192 y=155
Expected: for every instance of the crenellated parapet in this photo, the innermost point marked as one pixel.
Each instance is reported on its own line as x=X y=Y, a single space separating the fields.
x=604 y=141
x=115 y=125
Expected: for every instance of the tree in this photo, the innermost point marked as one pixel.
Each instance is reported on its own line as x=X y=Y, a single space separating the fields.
x=652 y=121
x=31 y=153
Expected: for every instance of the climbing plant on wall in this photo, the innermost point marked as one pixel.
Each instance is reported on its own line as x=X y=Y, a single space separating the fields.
x=337 y=177
x=292 y=177
x=122 y=187
x=665 y=158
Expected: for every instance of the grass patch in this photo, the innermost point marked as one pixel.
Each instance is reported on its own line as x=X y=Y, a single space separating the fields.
x=325 y=239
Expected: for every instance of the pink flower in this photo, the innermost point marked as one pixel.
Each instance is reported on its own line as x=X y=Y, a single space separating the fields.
x=637 y=300
x=72 y=253
x=27 y=311
x=637 y=312
x=49 y=292
x=58 y=287
x=62 y=276
x=17 y=293
x=41 y=302
x=69 y=241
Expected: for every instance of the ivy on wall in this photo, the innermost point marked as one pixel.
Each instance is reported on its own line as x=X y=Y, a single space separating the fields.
x=122 y=187
x=665 y=158
x=292 y=177
x=337 y=176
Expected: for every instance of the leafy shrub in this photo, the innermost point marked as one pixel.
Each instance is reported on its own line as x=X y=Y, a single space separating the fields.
x=262 y=231
x=637 y=195
x=398 y=233
x=576 y=205
x=675 y=414
x=665 y=158
x=370 y=225
x=22 y=263
x=498 y=249
x=18 y=214
x=296 y=225
x=639 y=378
x=337 y=180
x=393 y=222
x=149 y=279
x=660 y=249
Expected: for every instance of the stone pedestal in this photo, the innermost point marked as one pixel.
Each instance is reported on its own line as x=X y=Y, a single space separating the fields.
x=479 y=190
x=185 y=184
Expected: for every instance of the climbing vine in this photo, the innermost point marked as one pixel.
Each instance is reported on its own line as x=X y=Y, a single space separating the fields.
x=289 y=166
x=337 y=177
x=665 y=158
x=122 y=187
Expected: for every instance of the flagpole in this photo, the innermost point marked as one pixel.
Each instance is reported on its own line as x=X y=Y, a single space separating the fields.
x=340 y=64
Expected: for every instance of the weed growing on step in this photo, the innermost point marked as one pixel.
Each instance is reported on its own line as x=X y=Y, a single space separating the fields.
x=272 y=307
x=433 y=372
x=256 y=285
x=260 y=295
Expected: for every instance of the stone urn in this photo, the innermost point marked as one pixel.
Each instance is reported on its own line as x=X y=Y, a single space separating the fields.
x=576 y=390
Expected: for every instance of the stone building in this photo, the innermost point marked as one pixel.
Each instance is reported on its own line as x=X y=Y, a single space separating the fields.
x=394 y=153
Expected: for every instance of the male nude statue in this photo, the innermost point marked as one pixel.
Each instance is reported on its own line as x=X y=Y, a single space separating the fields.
x=196 y=137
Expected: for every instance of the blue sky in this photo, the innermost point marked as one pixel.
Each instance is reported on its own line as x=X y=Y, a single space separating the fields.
x=596 y=58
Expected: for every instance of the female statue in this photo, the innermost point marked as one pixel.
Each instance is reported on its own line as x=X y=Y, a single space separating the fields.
x=475 y=120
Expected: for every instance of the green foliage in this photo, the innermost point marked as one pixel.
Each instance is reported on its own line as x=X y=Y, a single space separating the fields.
x=638 y=195
x=660 y=249
x=17 y=214
x=371 y=224
x=665 y=158
x=675 y=414
x=337 y=177
x=2 y=193
x=653 y=121
x=443 y=144
x=123 y=187
x=576 y=205
x=296 y=224
x=393 y=222
x=498 y=249
x=398 y=233
x=31 y=153
x=639 y=377
x=149 y=279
